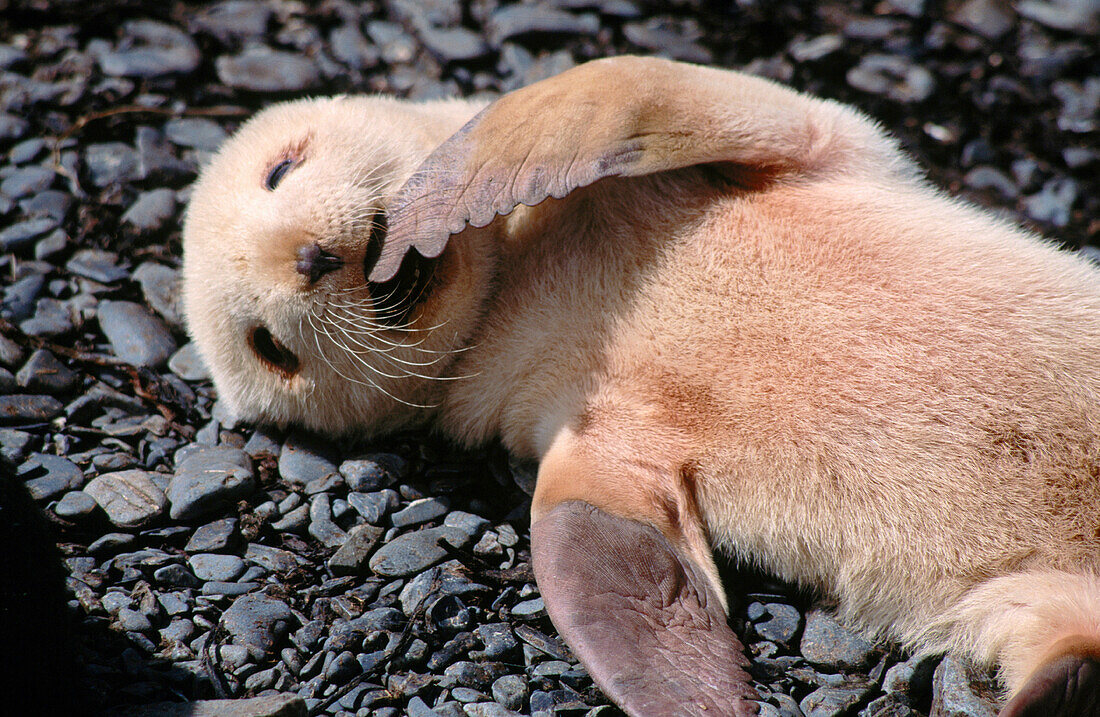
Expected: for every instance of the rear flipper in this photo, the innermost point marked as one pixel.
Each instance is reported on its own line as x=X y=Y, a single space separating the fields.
x=1043 y=628
x=643 y=619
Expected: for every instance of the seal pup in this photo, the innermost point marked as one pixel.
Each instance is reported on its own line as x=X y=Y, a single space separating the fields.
x=722 y=315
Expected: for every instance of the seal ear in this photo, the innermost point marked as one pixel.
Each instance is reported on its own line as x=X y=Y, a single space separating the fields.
x=626 y=117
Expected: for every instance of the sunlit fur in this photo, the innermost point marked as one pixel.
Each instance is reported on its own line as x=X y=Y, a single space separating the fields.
x=843 y=377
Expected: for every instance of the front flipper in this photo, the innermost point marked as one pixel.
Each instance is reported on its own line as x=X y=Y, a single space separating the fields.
x=1066 y=685
x=645 y=621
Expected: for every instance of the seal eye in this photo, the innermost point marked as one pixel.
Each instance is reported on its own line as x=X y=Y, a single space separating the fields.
x=271 y=352
x=277 y=173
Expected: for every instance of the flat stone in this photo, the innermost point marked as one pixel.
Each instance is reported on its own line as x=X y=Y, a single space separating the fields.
x=150 y=49
x=828 y=644
x=351 y=558
x=129 y=498
x=893 y=76
x=160 y=285
x=276 y=560
x=52 y=475
x=44 y=373
x=955 y=694
x=213 y=537
x=75 y=505
x=420 y=511
x=51 y=318
x=195 y=132
x=234 y=19
x=209 y=478
x=321 y=525
x=151 y=210
x=24 y=408
x=258 y=622
x=15 y=236
x=14 y=444
x=97 y=265
x=187 y=363
x=26 y=181
x=411 y=553
x=514 y=21
x=277 y=705
x=136 y=335
x=262 y=69
x=176 y=576
x=453 y=44
x=112 y=163
x=305 y=458
x=529 y=609
x=1054 y=204
x=833 y=701
x=781 y=624
x=212 y=566
x=373 y=471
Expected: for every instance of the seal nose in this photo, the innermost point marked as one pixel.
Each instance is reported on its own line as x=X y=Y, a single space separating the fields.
x=314 y=262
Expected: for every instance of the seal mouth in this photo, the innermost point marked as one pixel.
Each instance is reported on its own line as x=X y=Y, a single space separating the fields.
x=395 y=299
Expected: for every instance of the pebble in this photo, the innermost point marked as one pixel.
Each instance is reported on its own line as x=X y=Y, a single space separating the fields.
x=212 y=566
x=991 y=178
x=214 y=537
x=411 y=553
x=1054 y=203
x=136 y=335
x=350 y=47
x=129 y=498
x=52 y=475
x=453 y=44
x=97 y=265
x=44 y=373
x=351 y=557
x=195 y=132
x=151 y=210
x=20 y=234
x=208 y=478
x=112 y=163
x=373 y=471
x=893 y=76
x=274 y=559
x=234 y=20
x=511 y=691
x=150 y=49
x=258 y=623
x=420 y=511
x=321 y=524
x=826 y=643
x=262 y=69
x=529 y=609
x=782 y=623
x=305 y=458
x=49 y=204
x=833 y=701
x=51 y=318
x=26 y=181
x=515 y=21
x=188 y=364
x=75 y=505
x=954 y=692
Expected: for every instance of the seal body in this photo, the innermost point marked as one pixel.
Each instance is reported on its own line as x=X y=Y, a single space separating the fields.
x=745 y=324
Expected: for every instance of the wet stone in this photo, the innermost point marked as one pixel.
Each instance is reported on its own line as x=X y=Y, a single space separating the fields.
x=151 y=210
x=150 y=49
x=420 y=511
x=51 y=318
x=208 y=478
x=410 y=553
x=498 y=640
x=262 y=69
x=212 y=566
x=515 y=21
x=827 y=644
x=44 y=373
x=321 y=525
x=51 y=204
x=833 y=701
x=234 y=19
x=75 y=505
x=276 y=560
x=136 y=335
x=129 y=498
x=779 y=623
x=453 y=45
x=213 y=537
x=258 y=623
x=305 y=458
x=374 y=471
x=195 y=132
x=542 y=642
x=529 y=609
x=176 y=576
x=97 y=265
x=50 y=475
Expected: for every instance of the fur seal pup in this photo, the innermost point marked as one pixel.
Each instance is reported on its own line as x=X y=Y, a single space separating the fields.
x=724 y=316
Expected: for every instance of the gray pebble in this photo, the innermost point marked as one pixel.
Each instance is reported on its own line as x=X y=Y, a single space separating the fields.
x=75 y=505
x=52 y=204
x=15 y=236
x=954 y=692
x=453 y=44
x=1054 y=203
x=782 y=623
x=894 y=76
x=14 y=444
x=51 y=318
x=151 y=210
x=264 y=442
x=97 y=265
x=133 y=621
x=258 y=623
x=26 y=181
x=321 y=525
x=342 y=668
x=213 y=537
x=542 y=642
x=187 y=363
x=294 y=521
x=351 y=558
x=150 y=49
x=373 y=471
x=176 y=576
x=110 y=543
x=1081 y=16
x=816 y=48
x=60 y=474
x=420 y=511
x=11 y=353
x=676 y=39
x=305 y=458
x=911 y=681
x=325 y=484
x=112 y=163
x=988 y=18
x=44 y=373
x=129 y=498
x=276 y=560
x=234 y=19
x=27 y=150
x=261 y=69
x=514 y=21
x=488 y=709
x=212 y=566
x=175 y=602
x=136 y=335
x=984 y=177
x=12 y=127
x=529 y=609
x=195 y=132
x=350 y=47
x=21 y=295
x=827 y=644
x=23 y=408
x=228 y=589
x=208 y=478
x=411 y=553
x=833 y=701
x=511 y=691
x=498 y=640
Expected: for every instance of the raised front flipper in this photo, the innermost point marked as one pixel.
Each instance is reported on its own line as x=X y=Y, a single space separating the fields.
x=644 y=620
x=622 y=117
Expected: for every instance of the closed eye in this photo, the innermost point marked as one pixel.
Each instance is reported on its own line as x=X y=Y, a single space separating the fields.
x=277 y=173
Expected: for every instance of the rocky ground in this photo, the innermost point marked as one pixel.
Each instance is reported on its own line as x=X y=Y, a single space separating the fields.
x=210 y=560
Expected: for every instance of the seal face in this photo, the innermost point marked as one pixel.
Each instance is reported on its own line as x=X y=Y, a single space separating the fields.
x=282 y=230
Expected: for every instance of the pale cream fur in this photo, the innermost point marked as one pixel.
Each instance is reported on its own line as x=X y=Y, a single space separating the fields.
x=854 y=381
